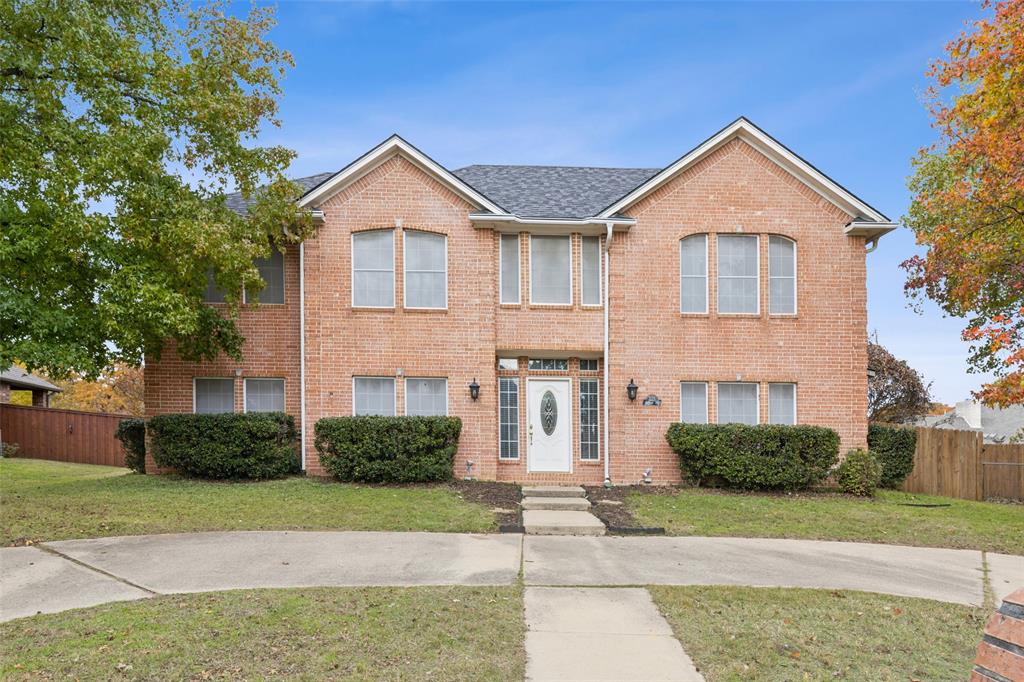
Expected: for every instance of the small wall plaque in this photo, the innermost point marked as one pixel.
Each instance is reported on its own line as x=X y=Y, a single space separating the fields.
x=652 y=400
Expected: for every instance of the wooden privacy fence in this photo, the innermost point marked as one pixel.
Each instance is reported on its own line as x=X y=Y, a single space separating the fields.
x=62 y=435
x=960 y=464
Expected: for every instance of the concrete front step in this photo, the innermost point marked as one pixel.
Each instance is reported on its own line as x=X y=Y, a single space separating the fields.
x=556 y=503
x=548 y=522
x=554 y=491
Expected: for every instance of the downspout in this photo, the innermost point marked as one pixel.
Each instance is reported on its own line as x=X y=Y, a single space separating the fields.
x=872 y=245
x=607 y=299
x=302 y=350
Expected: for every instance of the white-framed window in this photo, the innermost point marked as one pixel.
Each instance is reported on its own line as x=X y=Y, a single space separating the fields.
x=264 y=395
x=693 y=402
x=549 y=364
x=508 y=418
x=590 y=270
x=590 y=449
x=508 y=363
x=426 y=270
x=213 y=293
x=738 y=403
x=551 y=269
x=373 y=269
x=738 y=274
x=271 y=271
x=588 y=365
x=426 y=397
x=213 y=395
x=693 y=274
x=510 y=268
x=781 y=276
x=782 y=403
x=373 y=396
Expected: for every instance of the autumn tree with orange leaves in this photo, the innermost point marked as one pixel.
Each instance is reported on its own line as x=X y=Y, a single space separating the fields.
x=968 y=206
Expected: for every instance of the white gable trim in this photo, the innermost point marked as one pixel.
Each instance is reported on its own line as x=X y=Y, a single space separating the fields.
x=757 y=138
x=387 y=149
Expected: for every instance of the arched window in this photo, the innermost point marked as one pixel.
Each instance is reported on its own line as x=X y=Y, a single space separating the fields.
x=426 y=270
x=781 y=276
x=693 y=274
x=373 y=269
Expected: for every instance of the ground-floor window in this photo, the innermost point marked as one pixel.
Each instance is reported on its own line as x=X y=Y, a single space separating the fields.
x=693 y=402
x=264 y=395
x=549 y=364
x=508 y=407
x=214 y=396
x=426 y=397
x=738 y=403
x=782 y=403
x=373 y=396
x=589 y=439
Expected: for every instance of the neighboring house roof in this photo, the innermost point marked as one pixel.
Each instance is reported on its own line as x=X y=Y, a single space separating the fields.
x=998 y=424
x=240 y=204
x=554 y=191
x=22 y=380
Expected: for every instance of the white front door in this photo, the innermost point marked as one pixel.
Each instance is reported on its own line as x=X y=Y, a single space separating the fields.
x=549 y=430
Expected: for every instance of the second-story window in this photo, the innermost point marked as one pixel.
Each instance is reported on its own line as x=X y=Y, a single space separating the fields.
x=551 y=270
x=272 y=272
x=738 y=277
x=510 y=268
x=426 y=270
x=693 y=274
x=781 y=276
x=373 y=269
x=213 y=293
x=590 y=270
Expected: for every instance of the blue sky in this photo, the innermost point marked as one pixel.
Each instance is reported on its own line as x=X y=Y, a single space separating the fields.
x=611 y=84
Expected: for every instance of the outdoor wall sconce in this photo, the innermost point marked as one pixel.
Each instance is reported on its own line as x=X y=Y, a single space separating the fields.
x=631 y=390
x=474 y=389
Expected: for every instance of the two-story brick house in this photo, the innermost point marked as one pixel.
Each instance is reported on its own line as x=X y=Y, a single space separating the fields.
x=567 y=315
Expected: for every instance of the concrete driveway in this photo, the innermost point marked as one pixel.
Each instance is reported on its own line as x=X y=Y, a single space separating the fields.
x=75 y=573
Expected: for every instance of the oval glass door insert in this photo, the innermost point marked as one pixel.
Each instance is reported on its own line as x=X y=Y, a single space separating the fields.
x=548 y=412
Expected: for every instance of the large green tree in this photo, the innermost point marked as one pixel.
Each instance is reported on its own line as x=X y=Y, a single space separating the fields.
x=968 y=206
x=122 y=123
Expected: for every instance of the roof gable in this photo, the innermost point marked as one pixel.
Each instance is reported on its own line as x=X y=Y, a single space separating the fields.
x=743 y=129
x=387 y=149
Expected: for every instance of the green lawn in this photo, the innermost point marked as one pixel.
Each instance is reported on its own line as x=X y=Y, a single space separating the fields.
x=826 y=516
x=743 y=633
x=442 y=633
x=44 y=500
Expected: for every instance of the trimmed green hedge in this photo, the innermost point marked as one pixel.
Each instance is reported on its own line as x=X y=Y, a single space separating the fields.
x=388 y=449
x=256 y=445
x=132 y=434
x=763 y=457
x=859 y=473
x=894 y=447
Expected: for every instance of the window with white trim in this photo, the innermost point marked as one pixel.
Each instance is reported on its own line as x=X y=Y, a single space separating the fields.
x=264 y=395
x=373 y=396
x=693 y=274
x=589 y=419
x=782 y=403
x=510 y=268
x=426 y=397
x=738 y=277
x=693 y=402
x=588 y=365
x=508 y=418
x=781 y=276
x=373 y=269
x=590 y=270
x=213 y=293
x=213 y=396
x=551 y=269
x=271 y=271
x=738 y=403
x=508 y=363
x=426 y=270
x=549 y=364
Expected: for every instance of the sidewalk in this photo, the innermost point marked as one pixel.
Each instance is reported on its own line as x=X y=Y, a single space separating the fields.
x=70 y=574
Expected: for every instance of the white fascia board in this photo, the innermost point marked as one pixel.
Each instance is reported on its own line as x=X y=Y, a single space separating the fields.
x=786 y=159
x=514 y=223
x=870 y=230
x=390 y=147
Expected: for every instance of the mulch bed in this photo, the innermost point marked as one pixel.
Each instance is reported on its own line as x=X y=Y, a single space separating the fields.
x=609 y=505
x=500 y=498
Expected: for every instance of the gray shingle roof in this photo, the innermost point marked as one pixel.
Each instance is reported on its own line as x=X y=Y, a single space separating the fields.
x=22 y=380
x=553 y=191
x=239 y=204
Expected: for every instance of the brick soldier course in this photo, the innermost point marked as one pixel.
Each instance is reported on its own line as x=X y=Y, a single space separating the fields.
x=740 y=181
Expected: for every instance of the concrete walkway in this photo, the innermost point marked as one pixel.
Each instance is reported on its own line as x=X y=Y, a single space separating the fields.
x=575 y=633
x=74 y=573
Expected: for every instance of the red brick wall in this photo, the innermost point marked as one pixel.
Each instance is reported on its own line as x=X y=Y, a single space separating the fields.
x=822 y=348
